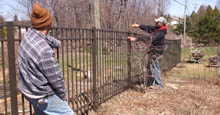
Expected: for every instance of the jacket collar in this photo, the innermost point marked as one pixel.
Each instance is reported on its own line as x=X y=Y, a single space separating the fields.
x=159 y=29
x=47 y=38
x=162 y=28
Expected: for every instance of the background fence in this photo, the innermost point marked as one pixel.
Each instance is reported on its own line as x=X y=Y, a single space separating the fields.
x=95 y=64
x=99 y=64
x=171 y=56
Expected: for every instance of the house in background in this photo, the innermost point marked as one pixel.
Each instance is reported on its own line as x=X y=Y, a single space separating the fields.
x=175 y=21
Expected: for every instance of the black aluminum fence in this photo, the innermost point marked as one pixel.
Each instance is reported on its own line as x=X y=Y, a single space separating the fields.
x=171 y=56
x=96 y=66
x=139 y=57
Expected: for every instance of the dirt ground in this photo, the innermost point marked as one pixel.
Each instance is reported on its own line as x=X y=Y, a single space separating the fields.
x=179 y=96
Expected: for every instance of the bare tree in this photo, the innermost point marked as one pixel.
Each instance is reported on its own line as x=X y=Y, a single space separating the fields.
x=115 y=14
x=119 y=14
x=162 y=6
x=65 y=12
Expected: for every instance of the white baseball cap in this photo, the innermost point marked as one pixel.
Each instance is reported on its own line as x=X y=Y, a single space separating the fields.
x=161 y=19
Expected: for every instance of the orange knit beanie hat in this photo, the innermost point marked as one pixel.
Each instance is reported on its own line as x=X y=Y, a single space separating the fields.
x=40 y=16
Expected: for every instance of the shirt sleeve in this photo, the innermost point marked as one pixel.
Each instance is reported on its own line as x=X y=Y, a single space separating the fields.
x=52 y=71
x=147 y=28
x=53 y=42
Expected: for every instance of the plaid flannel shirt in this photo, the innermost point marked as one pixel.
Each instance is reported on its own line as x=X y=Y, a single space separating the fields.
x=40 y=74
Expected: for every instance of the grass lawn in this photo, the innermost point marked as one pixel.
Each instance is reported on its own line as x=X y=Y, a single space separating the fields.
x=208 y=51
x=195 y=70
x=111 y=62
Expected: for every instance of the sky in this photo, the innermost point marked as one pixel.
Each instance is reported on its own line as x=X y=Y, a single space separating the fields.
x=178 y=10
x=175 y=8
x=7 y=9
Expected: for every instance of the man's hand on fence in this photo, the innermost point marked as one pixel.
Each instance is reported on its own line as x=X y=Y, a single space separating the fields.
x=135 y=25
x=132 y=38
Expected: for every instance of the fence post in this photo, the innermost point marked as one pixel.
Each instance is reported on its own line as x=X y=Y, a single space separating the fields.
x=129 y=61
x=94 y=54
x=12 y=68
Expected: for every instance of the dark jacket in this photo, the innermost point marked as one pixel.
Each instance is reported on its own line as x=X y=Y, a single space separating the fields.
x=158 y=36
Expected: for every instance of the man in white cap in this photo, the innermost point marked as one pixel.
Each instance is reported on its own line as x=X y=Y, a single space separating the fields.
x=40 y=77
x=157 y=47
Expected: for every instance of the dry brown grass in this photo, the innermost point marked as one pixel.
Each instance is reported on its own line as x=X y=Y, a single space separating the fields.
x=190 y=89
x=177 y=97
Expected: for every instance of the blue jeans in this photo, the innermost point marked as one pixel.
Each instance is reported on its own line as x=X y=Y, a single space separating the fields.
x=54 y=106
x=155 y=69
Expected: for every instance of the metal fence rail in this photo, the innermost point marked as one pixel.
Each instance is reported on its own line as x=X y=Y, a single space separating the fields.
x=96 y=66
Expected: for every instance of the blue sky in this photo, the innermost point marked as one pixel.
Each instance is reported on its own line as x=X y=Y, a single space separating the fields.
x=7 y=9
x=178 y=10
x=175 y=8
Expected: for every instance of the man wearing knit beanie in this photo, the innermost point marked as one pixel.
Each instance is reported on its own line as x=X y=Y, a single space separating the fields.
x=40 y=76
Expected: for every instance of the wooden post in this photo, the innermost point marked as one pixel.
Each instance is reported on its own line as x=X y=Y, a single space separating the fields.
x=129 y=62
x=97 y=14
x=12 y=68
x=94 y=54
